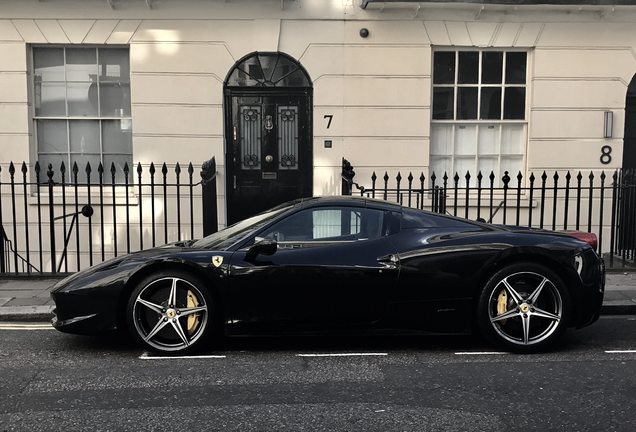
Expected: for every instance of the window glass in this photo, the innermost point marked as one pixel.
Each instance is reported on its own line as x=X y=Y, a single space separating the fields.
x=491 y=67
x=48 y=64
x=443 y=103
x=81 y=64
x=468 y=67
x=490 y=103
x=467 y=103
x=329 y=224
x=268 y=70
x=516 y=67
x=515 y=103
x=444 y=67
x=50 y=99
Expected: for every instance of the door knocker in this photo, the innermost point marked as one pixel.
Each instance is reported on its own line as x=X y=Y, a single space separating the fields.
x=269 y=125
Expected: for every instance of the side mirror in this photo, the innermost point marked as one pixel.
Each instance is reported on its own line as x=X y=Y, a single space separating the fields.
x=261 y=247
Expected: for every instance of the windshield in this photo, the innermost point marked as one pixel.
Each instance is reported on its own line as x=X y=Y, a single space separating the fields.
x=231 y=234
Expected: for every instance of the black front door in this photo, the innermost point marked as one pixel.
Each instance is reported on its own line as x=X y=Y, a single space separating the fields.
x=268 y=150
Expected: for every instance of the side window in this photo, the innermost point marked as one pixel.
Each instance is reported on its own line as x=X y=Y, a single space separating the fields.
x=328 y=224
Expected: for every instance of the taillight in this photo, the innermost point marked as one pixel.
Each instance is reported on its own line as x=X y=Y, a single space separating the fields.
x=589 y=238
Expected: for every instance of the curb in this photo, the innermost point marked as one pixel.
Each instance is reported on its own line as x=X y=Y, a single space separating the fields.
x=26 y=313
x=619 y=309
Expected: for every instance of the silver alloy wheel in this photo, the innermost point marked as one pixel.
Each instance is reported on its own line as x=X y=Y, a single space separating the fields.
x=160 y=309
x=525 y=308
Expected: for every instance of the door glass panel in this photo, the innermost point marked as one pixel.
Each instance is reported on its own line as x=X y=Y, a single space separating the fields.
x=329 y=224
x=288 y=137
x=250 y=136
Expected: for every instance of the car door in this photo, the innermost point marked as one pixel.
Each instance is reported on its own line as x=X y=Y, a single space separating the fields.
x=332 y=270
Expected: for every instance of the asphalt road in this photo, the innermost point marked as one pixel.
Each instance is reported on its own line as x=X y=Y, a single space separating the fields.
x=53 y=381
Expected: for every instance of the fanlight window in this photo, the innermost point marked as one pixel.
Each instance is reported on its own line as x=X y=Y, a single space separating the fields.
x=268 y=70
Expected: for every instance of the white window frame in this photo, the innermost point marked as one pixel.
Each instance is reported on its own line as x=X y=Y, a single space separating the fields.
x=456 y=123
x=34 y=118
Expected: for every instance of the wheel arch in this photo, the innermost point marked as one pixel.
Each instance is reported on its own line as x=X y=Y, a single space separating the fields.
x=535 y=257
x=163 y=266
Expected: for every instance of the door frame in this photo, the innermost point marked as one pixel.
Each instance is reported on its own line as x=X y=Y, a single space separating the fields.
x=231 y=92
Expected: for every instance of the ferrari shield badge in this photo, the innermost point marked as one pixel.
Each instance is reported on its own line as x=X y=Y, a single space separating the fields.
x=217 y=260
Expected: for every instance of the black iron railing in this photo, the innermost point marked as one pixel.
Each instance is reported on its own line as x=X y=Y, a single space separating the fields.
x=595 y=202
x=53 y=222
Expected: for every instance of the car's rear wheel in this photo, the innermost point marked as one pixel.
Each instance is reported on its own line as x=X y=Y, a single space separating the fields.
x=524 y=308
x=170 y=312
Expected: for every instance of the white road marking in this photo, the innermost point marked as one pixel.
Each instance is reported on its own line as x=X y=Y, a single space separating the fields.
x=341 y=354
x=480 y=353
x=145 y=356
x=26 y=327
x=620 y=351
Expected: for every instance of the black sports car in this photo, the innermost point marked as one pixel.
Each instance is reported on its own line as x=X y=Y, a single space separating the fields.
x=343 y=264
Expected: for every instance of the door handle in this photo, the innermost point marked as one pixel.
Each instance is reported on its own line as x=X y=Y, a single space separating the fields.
x=389 y=261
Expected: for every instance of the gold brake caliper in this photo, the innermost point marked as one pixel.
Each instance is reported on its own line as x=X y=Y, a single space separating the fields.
x=502 y=302
x=193 y=319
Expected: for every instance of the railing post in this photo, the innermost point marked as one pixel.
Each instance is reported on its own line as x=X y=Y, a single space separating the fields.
x=49 y=174
x=347 y=177
x=208 y=186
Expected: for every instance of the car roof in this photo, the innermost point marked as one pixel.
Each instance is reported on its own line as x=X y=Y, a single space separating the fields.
x=339 y=200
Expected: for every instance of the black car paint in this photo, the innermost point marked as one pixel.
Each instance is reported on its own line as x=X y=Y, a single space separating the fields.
x=419 y=279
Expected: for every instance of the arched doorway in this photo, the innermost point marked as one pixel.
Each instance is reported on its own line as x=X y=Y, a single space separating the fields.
x=629 y=138
x=268 y=134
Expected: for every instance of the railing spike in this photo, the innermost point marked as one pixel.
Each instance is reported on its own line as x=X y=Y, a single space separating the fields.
x=456 y=177
x=480 y=176
x=492 y=176
x=519 y=177
x=556 y=176
x=139 y=169
x=11 y=169
x=422 y=178
x=603 y=175
x=36 y=167
x=579 y=176
x=126 y=169
x=374 y=177
x=190 y=169
x=164 y=169
x=591 y=176
x=24 y=167
x=152 y=168
x=177 y=168
x=63 y=168
x=410 y=177
x=100 y=168
x=544 y=176
x=88 y=168
x=75 y=168
x=113 y=169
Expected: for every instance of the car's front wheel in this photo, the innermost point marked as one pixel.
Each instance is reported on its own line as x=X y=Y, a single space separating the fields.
x=170 y=312
x=524 y=308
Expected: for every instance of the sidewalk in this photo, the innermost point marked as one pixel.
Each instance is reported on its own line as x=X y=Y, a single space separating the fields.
x=28 y=299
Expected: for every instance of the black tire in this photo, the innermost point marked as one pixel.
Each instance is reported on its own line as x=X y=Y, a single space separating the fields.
x=524 y=323
x=155 y=323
